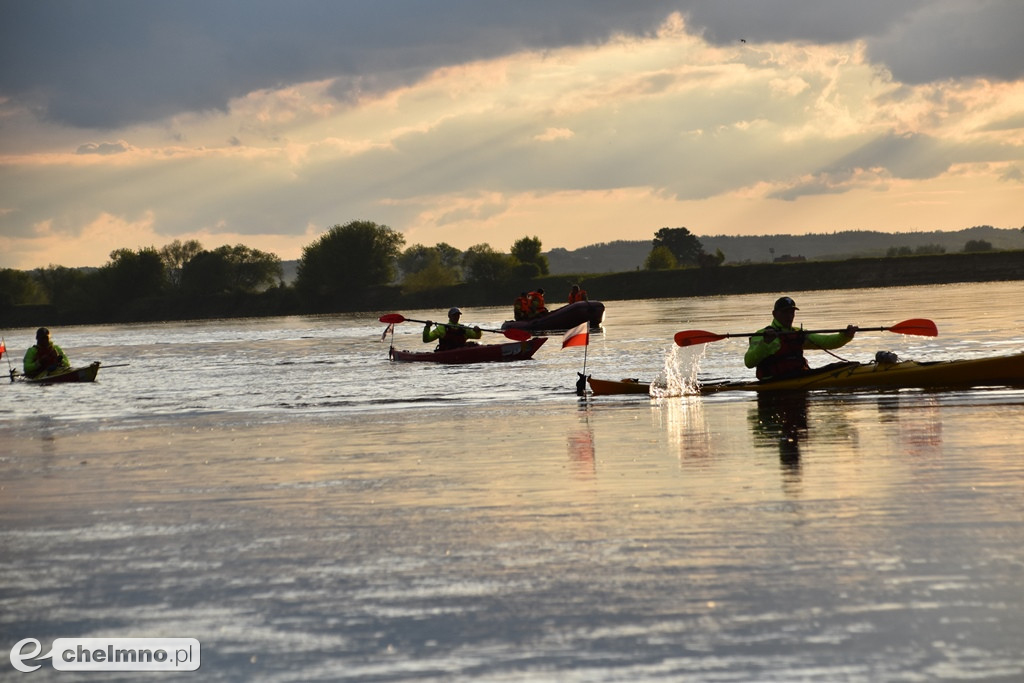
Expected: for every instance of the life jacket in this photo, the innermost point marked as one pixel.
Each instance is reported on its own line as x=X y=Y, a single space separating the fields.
x=788 y=359
x=521 y=307
x=577 y=296
x=537 y=303
x=47 y=358
x=454 y=337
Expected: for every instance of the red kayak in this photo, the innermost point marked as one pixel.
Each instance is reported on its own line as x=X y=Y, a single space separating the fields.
x=474 y=353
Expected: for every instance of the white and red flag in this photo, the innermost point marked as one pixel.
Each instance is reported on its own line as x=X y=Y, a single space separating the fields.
x=577 y=336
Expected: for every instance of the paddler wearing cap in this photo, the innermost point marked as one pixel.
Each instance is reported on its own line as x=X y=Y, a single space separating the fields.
x=45 y=356
x=778 y=350
x=450 y=335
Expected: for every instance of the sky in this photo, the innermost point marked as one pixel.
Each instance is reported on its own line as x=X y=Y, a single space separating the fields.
x=129 y=124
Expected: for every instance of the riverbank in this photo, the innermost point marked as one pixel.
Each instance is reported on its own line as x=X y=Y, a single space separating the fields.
x=639 y=284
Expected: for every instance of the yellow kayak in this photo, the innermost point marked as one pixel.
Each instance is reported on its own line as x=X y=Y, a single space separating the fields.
x=949 y=374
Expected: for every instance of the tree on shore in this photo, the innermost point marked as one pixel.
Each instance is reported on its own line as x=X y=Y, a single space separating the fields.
x=347 y=260
x=526 y=251
x=683 y=244
x=231 y=269
x=425 y=268
x=175 y=255
x=133 y=274
x=485 y=266
x=660 y=258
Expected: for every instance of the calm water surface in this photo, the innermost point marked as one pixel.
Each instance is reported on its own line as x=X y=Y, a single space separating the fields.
x=307 y=510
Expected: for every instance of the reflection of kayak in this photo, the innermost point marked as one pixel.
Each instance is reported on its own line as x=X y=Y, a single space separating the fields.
x=482 y=353
x=563 y=318
x=82 y=374
x=950 y=374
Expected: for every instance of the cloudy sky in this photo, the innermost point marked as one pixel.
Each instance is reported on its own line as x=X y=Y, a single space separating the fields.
x=130 y=123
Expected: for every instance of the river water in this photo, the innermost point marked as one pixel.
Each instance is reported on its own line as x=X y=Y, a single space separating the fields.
x=309 y=511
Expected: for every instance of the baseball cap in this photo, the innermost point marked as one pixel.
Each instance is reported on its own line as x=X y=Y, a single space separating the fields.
x=785 y=302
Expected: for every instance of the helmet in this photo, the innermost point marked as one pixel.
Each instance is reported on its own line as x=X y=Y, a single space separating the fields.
x=454 y=310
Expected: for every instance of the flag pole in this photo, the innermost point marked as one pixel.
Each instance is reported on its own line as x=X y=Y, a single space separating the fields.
x=4 y=351
x=580 y=332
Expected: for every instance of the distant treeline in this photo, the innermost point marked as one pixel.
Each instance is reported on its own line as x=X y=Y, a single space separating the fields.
x=625 y=255
x=361 y=267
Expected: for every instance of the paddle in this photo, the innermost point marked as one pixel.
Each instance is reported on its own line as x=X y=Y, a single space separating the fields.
x=517 y=335
x=919 y=326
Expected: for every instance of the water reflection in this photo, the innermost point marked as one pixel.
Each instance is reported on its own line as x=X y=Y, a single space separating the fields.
x=580 y=443
x=780 y=420
x=916 y=418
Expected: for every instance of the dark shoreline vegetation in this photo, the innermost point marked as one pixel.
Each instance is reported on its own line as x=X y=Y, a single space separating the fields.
x=712 y=280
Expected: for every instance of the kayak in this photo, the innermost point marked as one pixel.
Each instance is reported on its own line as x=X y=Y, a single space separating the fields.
x=908 y=374
x=85 y=373
x=475 y=353
x=563 y=318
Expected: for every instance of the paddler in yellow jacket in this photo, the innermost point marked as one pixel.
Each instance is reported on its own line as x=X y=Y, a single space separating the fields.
x=45 y=356
x=450 y=335
x=778 y=350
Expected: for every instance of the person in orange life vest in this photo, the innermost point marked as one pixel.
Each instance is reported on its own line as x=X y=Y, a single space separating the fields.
x=537 y=307
x=778 y=349
x=45 y=356
x=521 y=306
x=450 y=335
x=577 y=294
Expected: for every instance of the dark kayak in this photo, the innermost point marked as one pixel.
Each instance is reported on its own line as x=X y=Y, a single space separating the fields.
x=563 y=318
x=83 y=374
x=475 y=353
x=908 y=374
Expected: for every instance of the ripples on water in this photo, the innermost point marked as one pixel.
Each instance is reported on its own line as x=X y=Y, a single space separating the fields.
x=311 y=511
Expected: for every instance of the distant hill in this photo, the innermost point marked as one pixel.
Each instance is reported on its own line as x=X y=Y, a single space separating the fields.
x=621 y=256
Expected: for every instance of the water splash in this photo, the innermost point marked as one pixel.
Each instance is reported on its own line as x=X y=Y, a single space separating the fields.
x=678 y=376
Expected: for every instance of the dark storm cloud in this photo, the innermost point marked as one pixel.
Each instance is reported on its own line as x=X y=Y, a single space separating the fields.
x=955 y=40
x=919 y=41
x=115 y=62
x=109 y=63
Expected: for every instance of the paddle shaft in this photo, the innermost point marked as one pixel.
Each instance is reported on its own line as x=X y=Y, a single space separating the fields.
x=452 y=325
x=918 y=326
x=515 y=334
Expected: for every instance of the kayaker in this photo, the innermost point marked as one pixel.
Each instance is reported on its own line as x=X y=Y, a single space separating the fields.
x=577 y=294
x=450 y=335
x=778 y=349
x=45 y=356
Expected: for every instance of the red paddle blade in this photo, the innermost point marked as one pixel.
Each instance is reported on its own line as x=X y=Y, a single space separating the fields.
x=392 y=318
x=517 y=335
x=694 y=337
x=919 y=326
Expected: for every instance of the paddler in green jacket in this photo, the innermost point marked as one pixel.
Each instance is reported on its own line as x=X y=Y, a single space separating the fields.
x=45 y=356
x=450 y=335
x=778 y=349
